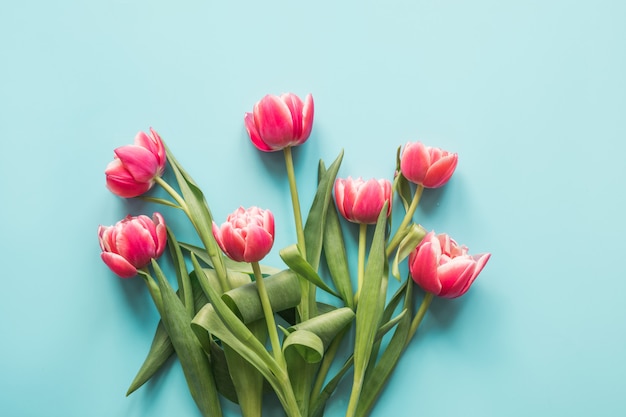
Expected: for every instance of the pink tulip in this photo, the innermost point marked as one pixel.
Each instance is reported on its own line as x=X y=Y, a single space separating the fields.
x=427 y=166
x=135 y=167
x=443 y=268
x=278 y=122
x=361 y=202
x=247 y=235
x=131 y=243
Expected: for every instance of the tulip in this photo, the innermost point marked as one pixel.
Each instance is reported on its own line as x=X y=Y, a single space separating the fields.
x=135 y=167
x=279 y=122
x=360 y=201
x=442 y=267
x=247 y=235
x=131 y=243
x=427 y=166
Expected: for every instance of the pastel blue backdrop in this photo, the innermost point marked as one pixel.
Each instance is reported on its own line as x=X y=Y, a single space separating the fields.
x=531 y=94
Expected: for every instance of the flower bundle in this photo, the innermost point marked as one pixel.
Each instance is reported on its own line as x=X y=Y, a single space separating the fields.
x=241 y=329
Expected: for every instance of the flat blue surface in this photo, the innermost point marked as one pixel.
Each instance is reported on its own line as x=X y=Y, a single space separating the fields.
x=531 y=94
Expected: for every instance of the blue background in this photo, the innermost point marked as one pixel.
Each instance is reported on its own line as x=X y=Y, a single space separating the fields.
x=531 y=94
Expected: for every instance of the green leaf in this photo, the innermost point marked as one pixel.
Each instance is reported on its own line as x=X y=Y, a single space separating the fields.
x=371 y=306
x=193 y=359
x=283 y=290
x=336 y=257
x=199 y=215
x=326 y=326
x=401 y=184
x=293 y=259
x=161 y=201
x=306 y=343
x=380 y=373
x=161 y=348
x=410 y=241
x=314 y=227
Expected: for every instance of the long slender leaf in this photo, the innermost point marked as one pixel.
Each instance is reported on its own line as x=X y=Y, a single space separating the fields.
x=371 y=306
x=194 y=361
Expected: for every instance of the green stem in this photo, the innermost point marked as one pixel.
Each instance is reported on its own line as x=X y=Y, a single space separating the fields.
x=361 y=259
x=419 y=316
x=307 y=306
x=209 y=243
x=269 y=315
x=402 y=229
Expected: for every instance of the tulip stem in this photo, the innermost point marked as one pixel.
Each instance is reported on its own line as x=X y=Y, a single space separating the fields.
x=361 y=259
x=269 y=315
x=419 y=316
x=402 y=229
x=307 y=306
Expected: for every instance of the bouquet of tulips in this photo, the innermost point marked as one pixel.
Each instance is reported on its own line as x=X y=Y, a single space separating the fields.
x=243 y=330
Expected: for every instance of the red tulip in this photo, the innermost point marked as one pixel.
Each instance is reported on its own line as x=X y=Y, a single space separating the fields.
x=247 y=235
x=135 y=167
x=443 y=268
x=131 y=243
x=278 y=122
x=427 y=166
x=361 y=202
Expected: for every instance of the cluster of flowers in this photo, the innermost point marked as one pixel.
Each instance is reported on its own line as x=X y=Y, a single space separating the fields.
x=211 y=326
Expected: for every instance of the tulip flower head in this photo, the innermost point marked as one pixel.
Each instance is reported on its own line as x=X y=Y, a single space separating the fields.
x=131 y=243
x=361 y=201
x=442 y=267
x=280 y=121
x=135 y=167
x=427 y=166
x=247 y=235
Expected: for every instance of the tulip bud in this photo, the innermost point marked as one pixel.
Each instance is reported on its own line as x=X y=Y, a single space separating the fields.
x=442 y=267
x=247 y=235
x=131 y=243
x=278 y=122
x=361 y=202
x=135 y=167
x=427 y=166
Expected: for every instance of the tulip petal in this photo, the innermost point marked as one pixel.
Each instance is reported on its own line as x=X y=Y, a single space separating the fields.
x=440 y=172
x=233 y=243
x=140 y=162
x=414 y=162
x=455 y=276
x=368 y=203
x=258 y=244
x=135 y=244
x=307 y=119
x=294 y=103
x=273 y=120
x=154 y=144
x=254 y=133
x=423 y=266
x=126 y=187
x=119 y=265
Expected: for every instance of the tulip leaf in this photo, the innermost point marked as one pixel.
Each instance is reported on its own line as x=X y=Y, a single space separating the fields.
x=161 y=201
x=401 y=184
x=161 y=348
x=335 y=255
x=314 y=227
x=199 y=214
x=283 y=290
x=410 y=241
x=243 y=267
x=307 y=344
x=184 y=283
x=293 y=259
x=327 y=325
x=380 y=373
x=193 y=359
x=371 y=306
x=221 y=371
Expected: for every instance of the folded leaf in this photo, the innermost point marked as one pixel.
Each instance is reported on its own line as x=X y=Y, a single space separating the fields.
x=413 y=237
x=283 y=290
x=293 y=259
